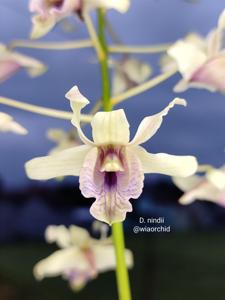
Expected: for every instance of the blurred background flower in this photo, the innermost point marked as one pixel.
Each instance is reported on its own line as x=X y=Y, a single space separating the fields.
x=187 y=263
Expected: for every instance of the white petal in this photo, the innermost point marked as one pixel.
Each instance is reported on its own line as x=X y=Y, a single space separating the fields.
x=188 y=183
x=59 y=262
x=119 y=83
x=204 y=191
x=136 y=70
x=149 y=125
x=7 y=124
x=221 y=20
x=58 y=234
x=79 y=236
x=188 y=57
x=172 y=165
x=217 y=178
x=56 y=135
x=64 y=163
x=106 y=260
x=110 y=128
x=183 y=85
x=33 y=66
x=41 y=26
x=120 y=5
x=77 y=103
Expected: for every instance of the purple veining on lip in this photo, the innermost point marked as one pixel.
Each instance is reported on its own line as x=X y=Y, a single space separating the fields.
x=112 y=190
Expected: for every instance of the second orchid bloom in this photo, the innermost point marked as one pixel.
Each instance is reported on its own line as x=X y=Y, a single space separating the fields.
x=111 y=167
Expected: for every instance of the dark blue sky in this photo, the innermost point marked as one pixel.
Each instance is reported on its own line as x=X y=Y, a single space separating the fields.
x=197 y=129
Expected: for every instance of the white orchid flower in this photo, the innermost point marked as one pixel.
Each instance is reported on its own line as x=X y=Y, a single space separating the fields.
x=210 y=187
x=111 y=168
x=7 y=124
x=11 y=62
x=64 y=140
x=49 y=12
x=201 y=62
x=128 y=73
x=81 y=257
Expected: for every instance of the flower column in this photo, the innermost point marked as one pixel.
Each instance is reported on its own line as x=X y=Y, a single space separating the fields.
x=123 y=284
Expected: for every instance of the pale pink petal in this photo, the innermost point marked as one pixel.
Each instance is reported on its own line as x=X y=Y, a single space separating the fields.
x=7 y=69
x=188 y=56
x=211 y=74
x=112 y=190
x=149 y=125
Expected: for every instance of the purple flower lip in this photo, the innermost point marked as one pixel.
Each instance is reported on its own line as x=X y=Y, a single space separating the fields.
x=110 y=179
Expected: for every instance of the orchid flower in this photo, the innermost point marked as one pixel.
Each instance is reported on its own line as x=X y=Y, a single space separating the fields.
x=210 y=187
x=7 y=124
x=111 y=168
x=64 y=140
x=11 y=62
x=128 y=73
x=49 y=12
x=201 y=62
x=81 y=257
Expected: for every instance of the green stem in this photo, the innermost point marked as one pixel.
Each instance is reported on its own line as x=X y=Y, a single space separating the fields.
x=106 y=103
x=122 y=277
x=123 y=283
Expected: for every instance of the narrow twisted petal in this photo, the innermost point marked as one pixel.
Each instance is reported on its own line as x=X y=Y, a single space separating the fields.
x=149 y=125
x=64 y=163
x=162 y=163
x=110 y=128
x=7 y=124
x=77 y=103
x=112 y=190
x=105 y=258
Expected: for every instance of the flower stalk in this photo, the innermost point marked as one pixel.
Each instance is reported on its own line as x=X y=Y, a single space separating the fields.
x=54 y=113
x=139 y=49
x=66 y=45
x=106 y=103
x=123 y=284
x=142 y=87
